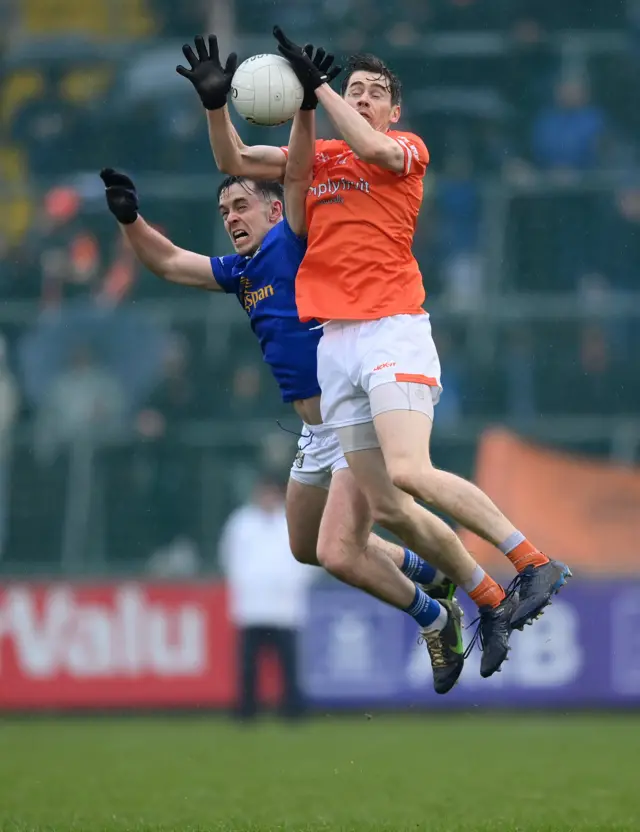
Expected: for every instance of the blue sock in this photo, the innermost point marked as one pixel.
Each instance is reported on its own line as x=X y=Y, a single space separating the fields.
x=417 y=569
x=423 y=610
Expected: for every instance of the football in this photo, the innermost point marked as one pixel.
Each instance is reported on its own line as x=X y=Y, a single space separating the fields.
x=266 y=91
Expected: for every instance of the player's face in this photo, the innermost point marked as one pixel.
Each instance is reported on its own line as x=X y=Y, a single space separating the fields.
x=369 y=94
x=247 y=216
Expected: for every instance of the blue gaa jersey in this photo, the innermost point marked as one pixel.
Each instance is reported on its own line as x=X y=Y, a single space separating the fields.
x=265 y=286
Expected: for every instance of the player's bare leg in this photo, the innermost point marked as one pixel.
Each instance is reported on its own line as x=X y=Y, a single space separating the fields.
x=344 y=550
x=400 y=433
x=433 y=580
x=342 y=546
x=398 y=512
x=305 y=505
x=395 y=510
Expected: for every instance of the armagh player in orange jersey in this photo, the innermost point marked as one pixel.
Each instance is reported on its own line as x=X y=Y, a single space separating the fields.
x=378 y=366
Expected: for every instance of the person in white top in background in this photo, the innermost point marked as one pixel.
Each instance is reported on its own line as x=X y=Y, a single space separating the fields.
x=268 y=591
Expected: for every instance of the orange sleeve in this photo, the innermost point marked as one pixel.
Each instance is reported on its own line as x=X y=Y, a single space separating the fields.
x=416 y=155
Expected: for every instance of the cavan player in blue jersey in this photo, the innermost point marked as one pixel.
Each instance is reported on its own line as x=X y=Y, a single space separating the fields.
x=261 y=274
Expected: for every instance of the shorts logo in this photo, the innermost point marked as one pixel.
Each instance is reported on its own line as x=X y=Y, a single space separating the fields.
x=299 y=459
x=384 y=366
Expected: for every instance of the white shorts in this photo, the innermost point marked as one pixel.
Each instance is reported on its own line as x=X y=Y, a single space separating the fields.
x=355 y=357
x=319 y=456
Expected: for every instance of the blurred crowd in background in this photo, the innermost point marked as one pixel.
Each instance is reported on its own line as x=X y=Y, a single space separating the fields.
x=133 y=415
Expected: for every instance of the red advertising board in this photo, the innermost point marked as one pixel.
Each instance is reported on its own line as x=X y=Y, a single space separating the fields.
x=111 y=646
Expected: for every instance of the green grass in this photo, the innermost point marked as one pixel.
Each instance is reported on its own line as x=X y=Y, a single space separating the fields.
x=470 y=773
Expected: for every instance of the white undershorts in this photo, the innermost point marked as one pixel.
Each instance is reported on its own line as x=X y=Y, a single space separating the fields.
x=319 y=456
x=355 y=357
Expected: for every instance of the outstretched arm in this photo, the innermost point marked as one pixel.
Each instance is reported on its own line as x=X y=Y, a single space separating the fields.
x=212 y=82
x=163 y=258
x=368 y=144
x=152 y=248
x=299 y=170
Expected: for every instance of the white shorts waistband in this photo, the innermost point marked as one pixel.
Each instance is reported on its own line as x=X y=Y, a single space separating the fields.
x=336 y=325
x=316 y=430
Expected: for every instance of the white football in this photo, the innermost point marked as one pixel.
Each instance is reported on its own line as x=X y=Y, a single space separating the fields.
x=265 y=90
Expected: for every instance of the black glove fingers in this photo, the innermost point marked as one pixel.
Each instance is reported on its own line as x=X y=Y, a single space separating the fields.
x=214 y=53
x=282 y=39
x=309 y=70
x=201 y=49
x=211 y=81
x=333 y=73
x=231 y=64
x=106 y=174
x=325 y=65
x=117 y=180
x=188 y=53
x=112 y=178
x=122 y=181
x=319 y=57
x=121 y=195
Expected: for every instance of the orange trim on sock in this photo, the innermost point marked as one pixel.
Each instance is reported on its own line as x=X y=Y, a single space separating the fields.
x=488 y=593
x=417 y=378
x=525 y=554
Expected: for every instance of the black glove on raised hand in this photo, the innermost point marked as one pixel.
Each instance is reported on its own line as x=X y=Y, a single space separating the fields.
x=211 y=80
x=323 y=63
x=311 y=71
x=122 y=197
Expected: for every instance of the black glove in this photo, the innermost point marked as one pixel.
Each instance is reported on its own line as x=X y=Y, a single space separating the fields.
x=323 y=63
x=312 y=72
x=211 y=81
x=122 y=197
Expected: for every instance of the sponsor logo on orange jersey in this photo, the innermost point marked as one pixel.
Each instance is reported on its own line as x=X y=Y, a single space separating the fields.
x=332 y=186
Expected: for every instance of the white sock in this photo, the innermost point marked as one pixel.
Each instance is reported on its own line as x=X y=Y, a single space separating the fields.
x=474 y=581
x=439 y=623
x=439 y=578
x=514 y=539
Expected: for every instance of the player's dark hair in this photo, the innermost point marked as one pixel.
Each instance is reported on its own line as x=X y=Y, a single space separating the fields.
x=269 y=190
x=370 y=63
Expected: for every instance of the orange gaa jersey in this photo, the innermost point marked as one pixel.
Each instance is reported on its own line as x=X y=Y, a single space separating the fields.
x=361 y=220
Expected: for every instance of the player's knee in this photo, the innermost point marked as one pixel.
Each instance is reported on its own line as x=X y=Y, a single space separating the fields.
x=412 y=478
x=390 y=513
x=337 y=562
x=304 y=550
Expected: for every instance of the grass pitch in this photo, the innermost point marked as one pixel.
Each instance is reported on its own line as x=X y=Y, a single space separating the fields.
x=456 y=773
